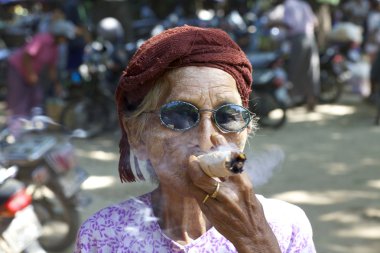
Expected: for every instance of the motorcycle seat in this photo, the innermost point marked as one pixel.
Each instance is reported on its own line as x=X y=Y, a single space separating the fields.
x=262 y=77
x=262 y=59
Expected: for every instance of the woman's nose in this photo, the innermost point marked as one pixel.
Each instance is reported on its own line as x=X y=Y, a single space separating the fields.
x=206 y=128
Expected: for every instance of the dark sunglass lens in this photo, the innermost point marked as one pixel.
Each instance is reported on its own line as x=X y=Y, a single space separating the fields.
x=179 y=115
x=232 y=117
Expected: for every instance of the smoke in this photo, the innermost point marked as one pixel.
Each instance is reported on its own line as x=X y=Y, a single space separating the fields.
x=261 y=165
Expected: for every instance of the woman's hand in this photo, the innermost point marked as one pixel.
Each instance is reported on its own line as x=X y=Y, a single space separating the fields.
x=235 y=211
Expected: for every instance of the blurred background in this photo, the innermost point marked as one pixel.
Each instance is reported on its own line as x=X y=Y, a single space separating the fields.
x=318 y=141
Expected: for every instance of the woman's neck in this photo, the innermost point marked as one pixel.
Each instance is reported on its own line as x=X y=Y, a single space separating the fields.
x=180 y=218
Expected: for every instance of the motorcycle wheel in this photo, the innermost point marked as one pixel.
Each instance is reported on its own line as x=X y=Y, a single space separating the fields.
x=58 y=216
x=331 y=87
x=271 y=112
x=86 y=114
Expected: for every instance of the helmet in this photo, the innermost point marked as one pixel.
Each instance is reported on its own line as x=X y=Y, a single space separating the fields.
x=62 y=28
x=110 y=29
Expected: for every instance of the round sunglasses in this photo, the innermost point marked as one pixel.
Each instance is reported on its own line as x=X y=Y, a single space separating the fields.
x=182 y=116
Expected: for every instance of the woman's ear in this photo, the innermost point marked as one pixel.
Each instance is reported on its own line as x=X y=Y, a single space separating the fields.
x=135 y=142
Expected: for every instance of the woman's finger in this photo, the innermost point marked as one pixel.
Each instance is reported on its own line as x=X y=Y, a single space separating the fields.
x=241 y=185
x=211 y=186
x=199 y=178
x=240 y=179
x=221 y=196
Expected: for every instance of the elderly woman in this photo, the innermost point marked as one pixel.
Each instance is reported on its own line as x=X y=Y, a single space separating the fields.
x=182 y=98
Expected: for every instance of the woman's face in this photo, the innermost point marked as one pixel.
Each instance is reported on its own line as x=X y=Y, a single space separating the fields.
x=169 y=150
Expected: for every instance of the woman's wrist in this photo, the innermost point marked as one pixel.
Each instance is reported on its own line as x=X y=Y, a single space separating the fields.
x=263 y=245
x=263 y=241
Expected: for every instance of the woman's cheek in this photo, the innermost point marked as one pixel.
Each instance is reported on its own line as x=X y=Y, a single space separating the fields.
x=166 y=151
x=156 y=149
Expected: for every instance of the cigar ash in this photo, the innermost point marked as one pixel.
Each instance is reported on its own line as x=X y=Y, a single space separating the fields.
x=237 y=163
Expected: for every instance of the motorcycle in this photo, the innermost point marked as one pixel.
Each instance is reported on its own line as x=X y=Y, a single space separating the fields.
x=48 y=167
x=90 y=102
x=19 y=225
x=339 y=61
x=335 y=70
x=269 y=98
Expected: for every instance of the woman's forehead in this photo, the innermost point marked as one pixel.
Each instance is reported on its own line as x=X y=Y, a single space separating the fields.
x=193 y=83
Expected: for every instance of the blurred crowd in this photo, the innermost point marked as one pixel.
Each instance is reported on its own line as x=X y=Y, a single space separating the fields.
x=44 y=43
x=41 y=41
x=366 y=15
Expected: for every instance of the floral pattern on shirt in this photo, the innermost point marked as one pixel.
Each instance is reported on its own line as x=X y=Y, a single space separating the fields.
x=130 y=227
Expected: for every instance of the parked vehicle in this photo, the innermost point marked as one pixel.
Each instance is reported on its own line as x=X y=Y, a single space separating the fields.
x=48 y=168
x=269 y=98
x=19 y=225
x=336 y=69
x=90 y=103
x=338 y=62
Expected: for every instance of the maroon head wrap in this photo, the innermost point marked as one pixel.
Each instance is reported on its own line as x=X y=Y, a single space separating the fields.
x=174 y=48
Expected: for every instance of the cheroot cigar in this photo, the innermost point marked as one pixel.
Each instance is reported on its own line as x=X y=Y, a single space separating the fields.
x=222 y=163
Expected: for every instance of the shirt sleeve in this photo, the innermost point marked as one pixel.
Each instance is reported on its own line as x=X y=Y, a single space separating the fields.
x=311 y=15
x=302 y=235
x=290 y=225
x=85 y=243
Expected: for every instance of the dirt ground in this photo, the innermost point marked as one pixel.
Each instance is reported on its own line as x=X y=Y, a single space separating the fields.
x=330 y=166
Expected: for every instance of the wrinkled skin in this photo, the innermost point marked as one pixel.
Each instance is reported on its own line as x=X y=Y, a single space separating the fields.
x=235 y=212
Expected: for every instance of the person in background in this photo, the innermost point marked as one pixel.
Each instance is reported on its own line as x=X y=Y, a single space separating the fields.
x=355 y=11
x=53 y=12
x=50 y=13
x=26 y=66
x=303 y=67
x=75 y=12
x=325 y=23
x=372 y=45
x=184 y=94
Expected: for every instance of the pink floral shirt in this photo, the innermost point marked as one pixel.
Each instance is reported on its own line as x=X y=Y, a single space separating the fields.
x=130 y=227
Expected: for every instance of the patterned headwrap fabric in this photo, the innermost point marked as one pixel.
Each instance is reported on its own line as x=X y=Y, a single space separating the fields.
x=174 y=48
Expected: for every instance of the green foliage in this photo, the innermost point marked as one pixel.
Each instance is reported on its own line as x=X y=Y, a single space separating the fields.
x=332 y=2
